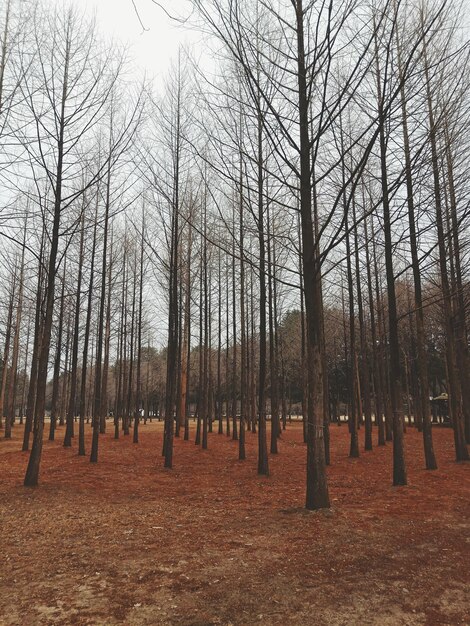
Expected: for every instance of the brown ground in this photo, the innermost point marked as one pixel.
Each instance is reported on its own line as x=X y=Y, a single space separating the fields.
x=210 y=542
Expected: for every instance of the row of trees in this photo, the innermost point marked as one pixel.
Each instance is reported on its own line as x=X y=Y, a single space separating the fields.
x=288 y=225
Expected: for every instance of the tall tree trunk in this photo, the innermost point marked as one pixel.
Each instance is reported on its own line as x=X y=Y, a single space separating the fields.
x=188 y=378
x=57 y=362
x=130 y=381
x=104 y=410
x=422 y=368
x=317 y=487
x=375 y=356
x=6 y=354
x=16 y=341
x=263 y=466
x=73 y=376
x=125 y=362
x=272 y=358
x=173 y=313
x=243 y=369
x=461 y=330
x=119 y=370
x=252 y=358
x=119 y=412
x=83 y=381
x=31 y=400
x=219 y=343
x=200 y=391
x=99 y=342
x=138 y=394
x=65 y=376
x=455 y=397
x=234 y=388
x=32 y=471
x=364 y=354
x=353 y=396
x=25 y=372
x=399 y=466
x=205 y=348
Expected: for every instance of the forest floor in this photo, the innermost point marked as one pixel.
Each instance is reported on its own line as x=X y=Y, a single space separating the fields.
x=210 y=542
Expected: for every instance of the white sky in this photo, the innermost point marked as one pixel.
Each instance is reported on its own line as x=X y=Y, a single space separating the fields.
x=152 y=49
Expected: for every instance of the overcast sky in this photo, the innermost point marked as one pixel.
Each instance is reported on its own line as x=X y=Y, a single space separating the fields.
x=153 y=48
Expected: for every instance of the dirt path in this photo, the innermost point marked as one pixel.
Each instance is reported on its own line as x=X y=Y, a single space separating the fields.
x=209 y=542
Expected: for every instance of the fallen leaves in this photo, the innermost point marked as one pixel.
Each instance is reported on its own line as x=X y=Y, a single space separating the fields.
x=211 y=543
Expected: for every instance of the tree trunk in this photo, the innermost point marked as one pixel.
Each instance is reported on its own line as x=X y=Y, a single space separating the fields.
x=375 y=356
x=83 y=381
x=31 y=400
x=16 y=343
x=263 y=466
x=138 y=393
x=73 y=376
x=317 y=488
x=6 y=354
x=99 y=342
x=422 y=368
x=399 y=466
x=32 y=471
x=455 y=398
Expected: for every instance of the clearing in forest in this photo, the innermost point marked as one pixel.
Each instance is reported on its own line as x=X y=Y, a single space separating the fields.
x=210 y=542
